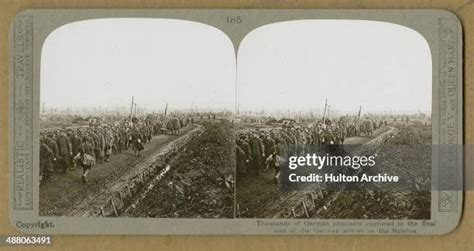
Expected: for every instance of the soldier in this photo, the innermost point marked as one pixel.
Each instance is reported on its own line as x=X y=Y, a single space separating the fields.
x=256 y=152
x=301 y=142
x=70 y=136
x=54 y=147
x=102 y=144
x=269 y=144
x=96 y=143
x=150 y=133
x=338 y=135
x=241 y=160
x=109 y=142
x=380 y=123
x=46 y=161
x=242 y=143
x=290 y=140
x=76 y=142
x=137 y=142
x=275 y=161
x=65 y=151
x=86 y=155
x=123 y=143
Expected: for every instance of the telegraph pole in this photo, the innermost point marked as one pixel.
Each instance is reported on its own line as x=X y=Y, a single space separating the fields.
x=325 y=107
x=131 y=110
x=360 y=111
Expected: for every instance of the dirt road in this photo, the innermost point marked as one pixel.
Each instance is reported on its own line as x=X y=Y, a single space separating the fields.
x=260 y=197
x=65 y=194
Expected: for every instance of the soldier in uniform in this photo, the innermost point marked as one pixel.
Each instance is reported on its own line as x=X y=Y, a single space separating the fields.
x=54 y=147
x=96 y=143
x=76 y=142
x=241 y=160
x=242 y=143
x=275 y=161
x=109 y=142
x=86 y=155
x=102 y=143
x=46 y=161
x=257 y=152
x=269 y=145
x=137 y=142
x=65 y=151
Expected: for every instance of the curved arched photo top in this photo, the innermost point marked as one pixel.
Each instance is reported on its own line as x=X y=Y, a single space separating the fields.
x=102 y=63
x=296 y=65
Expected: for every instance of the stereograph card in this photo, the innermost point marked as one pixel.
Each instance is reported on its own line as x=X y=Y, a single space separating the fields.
x=226 y=121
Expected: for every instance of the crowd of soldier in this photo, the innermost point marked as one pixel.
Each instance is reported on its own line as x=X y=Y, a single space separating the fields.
x=261 y=149
x=63 y=149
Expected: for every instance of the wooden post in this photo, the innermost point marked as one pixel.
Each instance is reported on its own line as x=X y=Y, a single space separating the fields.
x=360 y=111
x=311 y=197
x=305 y=209
x=113 y=207
x=325 y=107
x=131 y=110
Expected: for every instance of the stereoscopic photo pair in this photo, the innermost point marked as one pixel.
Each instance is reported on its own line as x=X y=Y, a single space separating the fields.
x=165 y=117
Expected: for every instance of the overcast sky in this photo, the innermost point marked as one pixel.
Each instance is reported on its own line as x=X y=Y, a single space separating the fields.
x=104 y=62
x=285 y=66
x=297 y=65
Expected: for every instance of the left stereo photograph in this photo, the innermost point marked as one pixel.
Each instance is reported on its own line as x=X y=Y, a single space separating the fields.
x=133 y=113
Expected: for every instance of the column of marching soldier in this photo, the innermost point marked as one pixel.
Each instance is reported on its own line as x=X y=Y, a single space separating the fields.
x=256 y=150
x=64 y=149
x=259 y=150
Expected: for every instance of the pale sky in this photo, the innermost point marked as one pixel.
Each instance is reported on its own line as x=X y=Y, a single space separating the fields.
x=297 y=65
x=284 y=66
x=103 y=62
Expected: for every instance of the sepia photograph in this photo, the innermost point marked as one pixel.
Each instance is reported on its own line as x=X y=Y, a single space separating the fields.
x=235 y=122
x=333 y=88
x=136 y=120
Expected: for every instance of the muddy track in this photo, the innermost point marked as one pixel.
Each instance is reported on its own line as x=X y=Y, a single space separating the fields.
x=269 y=202
x=65 y=195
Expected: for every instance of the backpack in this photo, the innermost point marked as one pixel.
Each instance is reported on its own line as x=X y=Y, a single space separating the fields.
x=88 y=160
